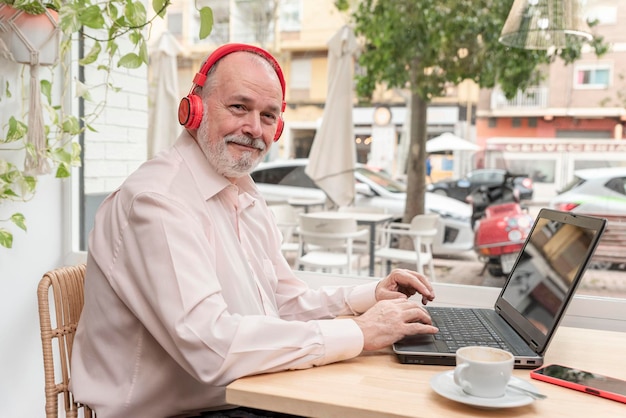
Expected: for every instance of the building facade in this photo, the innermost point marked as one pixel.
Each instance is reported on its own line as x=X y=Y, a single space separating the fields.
x=574 y=120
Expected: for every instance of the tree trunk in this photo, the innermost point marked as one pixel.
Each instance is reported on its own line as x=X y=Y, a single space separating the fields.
x=416 y=159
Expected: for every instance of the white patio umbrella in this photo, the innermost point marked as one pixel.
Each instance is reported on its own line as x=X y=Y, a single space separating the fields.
x=333 y=154
x=163 y=95
x=449 y=142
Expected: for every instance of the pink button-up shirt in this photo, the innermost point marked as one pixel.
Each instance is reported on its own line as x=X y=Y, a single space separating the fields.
x=187 y=290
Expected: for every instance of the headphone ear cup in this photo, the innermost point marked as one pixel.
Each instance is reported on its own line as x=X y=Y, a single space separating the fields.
x=280 y=125
x=190 y=111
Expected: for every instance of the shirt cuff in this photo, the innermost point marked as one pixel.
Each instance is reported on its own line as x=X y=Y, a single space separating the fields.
x=362 y=297
x=343 y=339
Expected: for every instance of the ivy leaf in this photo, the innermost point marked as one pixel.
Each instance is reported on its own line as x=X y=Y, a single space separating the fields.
x=63 y=171
x=19 y=220
x=135 y=13
x=143 y=53
x=29 y=183
x=46 y=90
x=17 y=130
x=92 y=17
x=160 y=7
x=7 y=91
x=6 y=238
x=93 y=54
x=76 y=148
x=206 y=22
x=71 y=125
x=68 y=18
x=130 y=60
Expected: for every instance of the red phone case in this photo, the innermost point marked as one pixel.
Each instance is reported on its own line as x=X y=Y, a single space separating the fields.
x=580 y=387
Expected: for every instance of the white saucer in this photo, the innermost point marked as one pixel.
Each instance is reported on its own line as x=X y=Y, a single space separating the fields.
x=443 y=384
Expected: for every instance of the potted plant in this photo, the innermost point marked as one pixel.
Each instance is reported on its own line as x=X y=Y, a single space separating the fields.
x=103 y=24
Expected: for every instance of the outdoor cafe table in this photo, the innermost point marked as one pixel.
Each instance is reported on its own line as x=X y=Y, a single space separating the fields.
x=305 y=203
x=371 y=219
x=376 y=385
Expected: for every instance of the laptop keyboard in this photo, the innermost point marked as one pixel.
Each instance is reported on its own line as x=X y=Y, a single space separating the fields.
x=460 y=327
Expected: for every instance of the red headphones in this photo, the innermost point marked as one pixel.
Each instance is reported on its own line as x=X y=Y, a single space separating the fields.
x=190 y=107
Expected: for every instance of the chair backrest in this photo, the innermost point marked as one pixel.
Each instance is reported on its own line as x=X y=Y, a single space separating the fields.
x=285 y=214
x=427 y=224
x=66 y=300
x=327 y=232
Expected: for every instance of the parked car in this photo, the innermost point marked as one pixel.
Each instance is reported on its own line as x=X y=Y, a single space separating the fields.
x=600 y=191
x=461 y=188
x=280 y=181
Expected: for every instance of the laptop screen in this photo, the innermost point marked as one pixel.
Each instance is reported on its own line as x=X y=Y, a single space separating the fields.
x=548 y=271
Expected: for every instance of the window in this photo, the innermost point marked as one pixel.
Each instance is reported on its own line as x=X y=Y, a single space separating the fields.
x=175 y=24
x=300 y=74
x=592 y=77
x=290 y=15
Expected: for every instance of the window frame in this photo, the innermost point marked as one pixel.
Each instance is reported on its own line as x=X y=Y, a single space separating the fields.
x=593 y=68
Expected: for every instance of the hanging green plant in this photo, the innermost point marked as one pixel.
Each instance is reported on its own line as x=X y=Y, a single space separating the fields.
x=52 y=146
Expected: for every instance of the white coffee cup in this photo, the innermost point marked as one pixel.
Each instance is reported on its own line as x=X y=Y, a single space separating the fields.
x=483 y=371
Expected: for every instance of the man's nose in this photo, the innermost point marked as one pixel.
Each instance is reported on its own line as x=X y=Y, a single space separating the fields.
x=252 y=125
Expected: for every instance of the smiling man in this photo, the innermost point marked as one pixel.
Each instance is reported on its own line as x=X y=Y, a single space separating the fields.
x=186 y=287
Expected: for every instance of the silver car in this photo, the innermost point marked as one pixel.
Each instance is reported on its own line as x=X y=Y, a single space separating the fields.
x=599 y=191
x=280 y=181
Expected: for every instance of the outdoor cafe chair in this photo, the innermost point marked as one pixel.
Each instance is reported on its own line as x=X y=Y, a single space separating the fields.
x=327 y=244
x=421 y=231
x=361 y=246
x=287 y=221
x=60 y=299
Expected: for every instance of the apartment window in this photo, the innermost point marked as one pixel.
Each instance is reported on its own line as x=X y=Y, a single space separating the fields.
x=532 y=122
x=300 y=78
x=493 y=122
x=516 y=122
x=290 y=15
x=592 y=77
x=604 y=14
x=175 y=24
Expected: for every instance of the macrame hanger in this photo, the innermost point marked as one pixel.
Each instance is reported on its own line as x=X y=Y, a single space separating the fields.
x=36 y=160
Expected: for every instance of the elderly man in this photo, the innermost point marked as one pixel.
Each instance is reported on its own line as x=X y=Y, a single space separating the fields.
x=186 y=286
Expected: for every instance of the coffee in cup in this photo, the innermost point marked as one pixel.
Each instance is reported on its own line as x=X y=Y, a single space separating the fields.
x=483 y=371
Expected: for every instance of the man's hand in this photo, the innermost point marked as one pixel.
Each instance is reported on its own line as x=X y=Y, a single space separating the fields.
x=389 y=320
x=401 y=283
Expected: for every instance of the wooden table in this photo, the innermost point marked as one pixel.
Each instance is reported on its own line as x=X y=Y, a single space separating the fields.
x=372 y=220
x=376 y=385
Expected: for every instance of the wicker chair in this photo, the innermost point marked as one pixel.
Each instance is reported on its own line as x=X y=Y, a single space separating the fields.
x=67 y=296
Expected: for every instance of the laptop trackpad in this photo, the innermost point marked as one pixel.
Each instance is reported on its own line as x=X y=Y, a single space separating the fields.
x=420 y=342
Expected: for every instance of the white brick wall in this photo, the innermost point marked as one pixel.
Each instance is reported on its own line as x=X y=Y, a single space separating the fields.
x=119 y=146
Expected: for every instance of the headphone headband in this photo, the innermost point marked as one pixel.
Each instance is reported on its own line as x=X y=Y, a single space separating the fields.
x=190 y=108
x=227 y=49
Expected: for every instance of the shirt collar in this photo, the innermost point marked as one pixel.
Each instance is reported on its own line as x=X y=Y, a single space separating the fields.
x=210 y=181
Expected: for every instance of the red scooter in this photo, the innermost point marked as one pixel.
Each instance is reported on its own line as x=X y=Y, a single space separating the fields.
x=501 y=225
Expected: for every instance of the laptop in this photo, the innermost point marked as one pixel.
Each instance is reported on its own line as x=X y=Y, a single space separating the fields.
x=531 y=304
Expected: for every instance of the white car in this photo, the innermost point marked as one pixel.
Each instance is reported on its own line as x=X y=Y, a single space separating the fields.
x=280 y=181
x=599 y=191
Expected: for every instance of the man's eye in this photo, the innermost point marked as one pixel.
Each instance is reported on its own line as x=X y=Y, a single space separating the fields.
x=270 y=116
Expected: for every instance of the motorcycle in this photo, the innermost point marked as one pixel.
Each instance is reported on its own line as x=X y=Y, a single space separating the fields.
x=501 y=225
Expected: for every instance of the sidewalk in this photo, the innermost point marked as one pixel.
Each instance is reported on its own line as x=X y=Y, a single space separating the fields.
x=466 y=269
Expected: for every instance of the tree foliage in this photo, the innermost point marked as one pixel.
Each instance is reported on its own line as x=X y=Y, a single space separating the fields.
x=426 y=46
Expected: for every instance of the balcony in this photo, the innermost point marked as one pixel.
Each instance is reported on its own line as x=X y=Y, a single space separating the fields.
x=532 y=98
